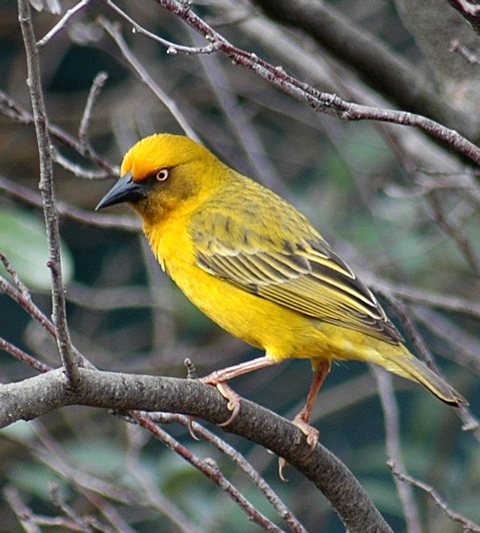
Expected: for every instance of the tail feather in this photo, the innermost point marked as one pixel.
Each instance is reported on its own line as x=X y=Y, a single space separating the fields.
x=411 y=368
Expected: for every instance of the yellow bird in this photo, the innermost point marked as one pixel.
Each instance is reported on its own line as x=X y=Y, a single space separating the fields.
x=258 y=268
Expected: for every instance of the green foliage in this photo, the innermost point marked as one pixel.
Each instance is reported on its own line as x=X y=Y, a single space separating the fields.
x=23 y=241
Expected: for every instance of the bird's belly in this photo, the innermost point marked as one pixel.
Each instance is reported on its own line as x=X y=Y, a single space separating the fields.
x=281 y=332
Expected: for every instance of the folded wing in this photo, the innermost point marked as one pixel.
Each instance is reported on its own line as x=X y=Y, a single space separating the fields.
x=304 y=275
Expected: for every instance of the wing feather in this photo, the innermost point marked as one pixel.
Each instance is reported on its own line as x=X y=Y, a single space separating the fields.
x=304 y=275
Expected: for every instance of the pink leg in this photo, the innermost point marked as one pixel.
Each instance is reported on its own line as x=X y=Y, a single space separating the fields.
x=220 y=377
x=302 y=420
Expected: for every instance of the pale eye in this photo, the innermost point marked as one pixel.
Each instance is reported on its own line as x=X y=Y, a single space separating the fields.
x=162 y=174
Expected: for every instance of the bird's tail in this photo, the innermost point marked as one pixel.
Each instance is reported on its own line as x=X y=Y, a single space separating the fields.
x=408 y=366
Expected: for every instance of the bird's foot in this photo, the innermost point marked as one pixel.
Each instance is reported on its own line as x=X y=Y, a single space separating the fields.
x=312 y=435
x=234 y=399
x=309 y=431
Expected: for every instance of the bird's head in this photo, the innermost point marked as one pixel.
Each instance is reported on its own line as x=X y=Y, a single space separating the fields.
x=162 y=173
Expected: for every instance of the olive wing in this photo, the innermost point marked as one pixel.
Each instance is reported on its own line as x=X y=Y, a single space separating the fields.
x=305 y=276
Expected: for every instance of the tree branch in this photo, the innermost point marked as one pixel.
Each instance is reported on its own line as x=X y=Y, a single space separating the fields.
x=468 y=526
x=44 y=393
x=34 y=83
x=17 y=113
x=394 y=77
x=318 y=100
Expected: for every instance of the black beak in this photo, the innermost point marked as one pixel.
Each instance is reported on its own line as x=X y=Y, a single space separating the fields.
x=125 y=190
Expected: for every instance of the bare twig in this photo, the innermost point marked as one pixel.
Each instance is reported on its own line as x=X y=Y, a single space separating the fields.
x=84 y=523
x=172 y=48
x=465 y=351
x=31 y=521
x=210 y=469
x=392 y=433
x=23 y=356
x=97 y=86
x=30 y=197
x=78 y=170
x=151 y=490
x=319 y=101
x=282 y=510
x=34 y=82
x=23 y=298
x=468 y=526
x=26 y=303
x=413 y=333
x=455 y=46
x=17 y=113
x=16 y=279
x=114 y=298
x=62 y=23
x=240 y=124
x=23 y=513
x=114 y=32
x=466 y=345
x=453 y=231
x=420 y=296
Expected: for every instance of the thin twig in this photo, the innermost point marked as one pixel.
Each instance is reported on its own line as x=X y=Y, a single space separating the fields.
x=23 y=513
x=420 y=296
x=83 y=134
x=23 y=356
x=240 y=125
x=115 y=298
x=172 y=48
x=115 y=34
x=60 y=25
x=455 y=46
x=34 y=82
x=16 y=279
x=26 y=195
x=401 y=311
x=465 y=351
x=468 y=526
x=85 y=522
x=466 y=345
x=17 y=113
x=318 y=100
x=153 y=495
x=25 y=301
x=282 y=510
x=209 y=469
x=27 y=304
x=79 y=171
x=394 y=453
x=453 y=231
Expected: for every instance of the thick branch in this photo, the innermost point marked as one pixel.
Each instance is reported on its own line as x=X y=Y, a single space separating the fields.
x=42 y=394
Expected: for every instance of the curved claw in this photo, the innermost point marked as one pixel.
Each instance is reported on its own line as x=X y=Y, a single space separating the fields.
x=309 y=431
x=235 y=410
x=312 y=440
x=191 y=430
x=233 y=404
x=234 y=399
x=312 y=435
x=281 y=466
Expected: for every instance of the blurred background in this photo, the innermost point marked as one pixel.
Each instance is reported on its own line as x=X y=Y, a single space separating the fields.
x=401 y=209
